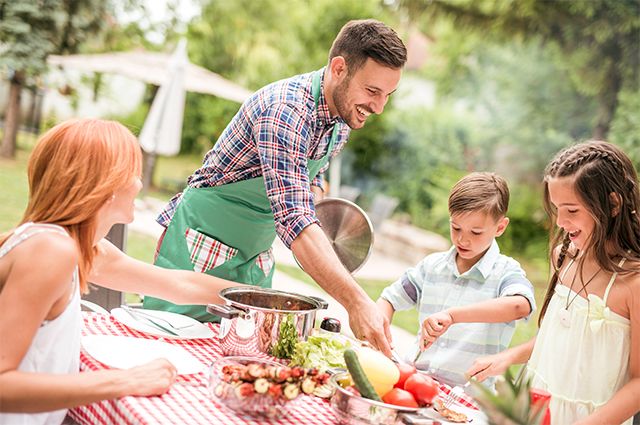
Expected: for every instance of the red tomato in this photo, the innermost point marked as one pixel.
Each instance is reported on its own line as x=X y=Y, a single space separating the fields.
x=399 y=397
x=406 y=370
x=423 y=388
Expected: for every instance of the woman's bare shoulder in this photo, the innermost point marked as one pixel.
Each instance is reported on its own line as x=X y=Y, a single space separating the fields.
x=50 y=251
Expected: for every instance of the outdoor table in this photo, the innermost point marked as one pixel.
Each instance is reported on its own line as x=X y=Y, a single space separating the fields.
x=188 y=400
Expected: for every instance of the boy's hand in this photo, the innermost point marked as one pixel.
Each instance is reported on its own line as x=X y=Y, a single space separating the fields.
x=434 y=326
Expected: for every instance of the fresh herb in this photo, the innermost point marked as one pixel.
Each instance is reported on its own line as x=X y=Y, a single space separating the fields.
x=287 y=339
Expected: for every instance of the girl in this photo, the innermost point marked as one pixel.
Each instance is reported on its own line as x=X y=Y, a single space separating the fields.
x=587 y=352
x=83 y=178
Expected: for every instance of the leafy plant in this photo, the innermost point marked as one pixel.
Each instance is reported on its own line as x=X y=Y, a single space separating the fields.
x=510 y=404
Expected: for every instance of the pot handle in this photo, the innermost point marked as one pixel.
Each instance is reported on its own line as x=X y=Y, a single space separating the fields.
x=323 y=305
x=225 y=311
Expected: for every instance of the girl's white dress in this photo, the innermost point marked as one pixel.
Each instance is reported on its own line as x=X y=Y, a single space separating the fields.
x=582 y=359
x=55 y=348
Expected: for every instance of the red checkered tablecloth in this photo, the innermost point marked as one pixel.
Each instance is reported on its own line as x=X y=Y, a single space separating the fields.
x=188 y=401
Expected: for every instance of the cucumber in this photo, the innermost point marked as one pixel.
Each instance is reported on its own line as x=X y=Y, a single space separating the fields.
x=359 y=377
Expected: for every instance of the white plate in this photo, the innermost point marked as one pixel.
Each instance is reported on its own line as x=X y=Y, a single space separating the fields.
x=123 y=352
x=189 y=328
x=474 y=417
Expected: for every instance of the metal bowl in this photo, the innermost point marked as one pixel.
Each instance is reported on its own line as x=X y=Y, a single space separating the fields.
x=352 y=409
x=255 y=406
x=348 y=229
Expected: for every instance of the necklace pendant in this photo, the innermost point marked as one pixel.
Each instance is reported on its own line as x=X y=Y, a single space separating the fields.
x=565 y=317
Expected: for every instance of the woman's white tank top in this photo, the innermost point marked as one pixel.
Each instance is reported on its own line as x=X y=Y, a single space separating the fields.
x=55 y=348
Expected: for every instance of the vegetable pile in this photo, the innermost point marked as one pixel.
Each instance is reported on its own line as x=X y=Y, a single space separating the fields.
x=320 y=351
x=378 y=378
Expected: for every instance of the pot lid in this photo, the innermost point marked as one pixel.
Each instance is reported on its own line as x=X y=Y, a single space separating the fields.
x=348 y=229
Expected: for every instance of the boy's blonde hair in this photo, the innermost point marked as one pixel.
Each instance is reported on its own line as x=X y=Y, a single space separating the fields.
x=480 y=191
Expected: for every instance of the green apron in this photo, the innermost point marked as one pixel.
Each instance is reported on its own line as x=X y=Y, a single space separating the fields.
x=237 y=215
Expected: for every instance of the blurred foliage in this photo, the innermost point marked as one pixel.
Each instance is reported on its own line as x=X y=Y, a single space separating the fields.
x=515 y=82
x=595 y=41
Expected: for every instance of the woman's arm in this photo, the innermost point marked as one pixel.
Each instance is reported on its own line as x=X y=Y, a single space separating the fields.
x=37 y=392
x=38 y=287
x=116 y=270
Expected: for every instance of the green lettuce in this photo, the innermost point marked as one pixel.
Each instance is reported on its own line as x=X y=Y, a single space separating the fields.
x=321 y=351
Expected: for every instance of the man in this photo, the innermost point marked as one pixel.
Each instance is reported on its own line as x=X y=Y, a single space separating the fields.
x=266 y=169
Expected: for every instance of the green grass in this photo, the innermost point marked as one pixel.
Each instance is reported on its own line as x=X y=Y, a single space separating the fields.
x=14 y=193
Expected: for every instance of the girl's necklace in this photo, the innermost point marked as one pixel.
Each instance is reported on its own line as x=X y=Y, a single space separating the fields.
x=563 y=314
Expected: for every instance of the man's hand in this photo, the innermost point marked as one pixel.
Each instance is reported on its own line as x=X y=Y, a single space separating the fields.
x=369 y=324
x=434 y=326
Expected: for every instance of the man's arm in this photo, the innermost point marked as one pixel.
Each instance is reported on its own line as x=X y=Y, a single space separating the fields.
x=314 y=251
x=385 y=308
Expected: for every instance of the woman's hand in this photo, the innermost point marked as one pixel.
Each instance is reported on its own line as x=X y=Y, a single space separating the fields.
x=153 y=378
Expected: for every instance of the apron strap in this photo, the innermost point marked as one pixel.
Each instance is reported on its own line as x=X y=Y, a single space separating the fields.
x=316 y=86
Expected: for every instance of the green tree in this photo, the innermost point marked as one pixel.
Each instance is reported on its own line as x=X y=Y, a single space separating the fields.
x=595 y=41
x=29 y=32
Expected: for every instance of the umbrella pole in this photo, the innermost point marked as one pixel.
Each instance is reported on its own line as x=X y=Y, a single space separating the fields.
x=149 y=166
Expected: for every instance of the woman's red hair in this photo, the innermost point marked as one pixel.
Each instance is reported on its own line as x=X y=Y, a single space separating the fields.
x=73 y=171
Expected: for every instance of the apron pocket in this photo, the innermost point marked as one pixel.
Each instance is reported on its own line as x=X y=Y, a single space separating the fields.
x=265 y=261
x=205 y=252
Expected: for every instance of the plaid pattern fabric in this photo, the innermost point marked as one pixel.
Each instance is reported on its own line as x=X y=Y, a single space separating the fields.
x=265 y=261
x=207 y=253
x=435 y=285
x=273 y=135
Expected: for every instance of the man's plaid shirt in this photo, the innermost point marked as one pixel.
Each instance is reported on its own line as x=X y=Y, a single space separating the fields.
x=273 y=135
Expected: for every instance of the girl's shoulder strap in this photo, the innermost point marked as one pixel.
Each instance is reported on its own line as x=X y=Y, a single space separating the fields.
x=613 y=278
x=25 y=231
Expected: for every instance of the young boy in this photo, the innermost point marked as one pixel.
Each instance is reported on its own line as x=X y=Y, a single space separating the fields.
x=470 y=296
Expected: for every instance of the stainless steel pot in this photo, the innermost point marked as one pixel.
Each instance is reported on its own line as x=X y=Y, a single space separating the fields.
x=351 y=409
x=255 y=320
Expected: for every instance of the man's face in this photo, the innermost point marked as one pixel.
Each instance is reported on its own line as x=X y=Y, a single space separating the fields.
x=365 y=92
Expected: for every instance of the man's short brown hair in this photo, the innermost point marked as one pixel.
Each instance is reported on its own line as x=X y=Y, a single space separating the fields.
x=484 y=191
x=360 y=40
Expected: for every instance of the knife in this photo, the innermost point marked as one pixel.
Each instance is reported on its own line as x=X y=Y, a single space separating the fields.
x=140 y=317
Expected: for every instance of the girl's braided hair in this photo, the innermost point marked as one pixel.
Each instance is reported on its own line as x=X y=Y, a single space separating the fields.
x=607 y=183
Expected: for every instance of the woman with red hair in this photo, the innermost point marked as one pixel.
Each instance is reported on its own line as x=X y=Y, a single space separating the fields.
x=83 y=178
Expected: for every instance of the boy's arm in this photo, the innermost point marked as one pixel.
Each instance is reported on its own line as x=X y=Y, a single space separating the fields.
x=498 y=310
